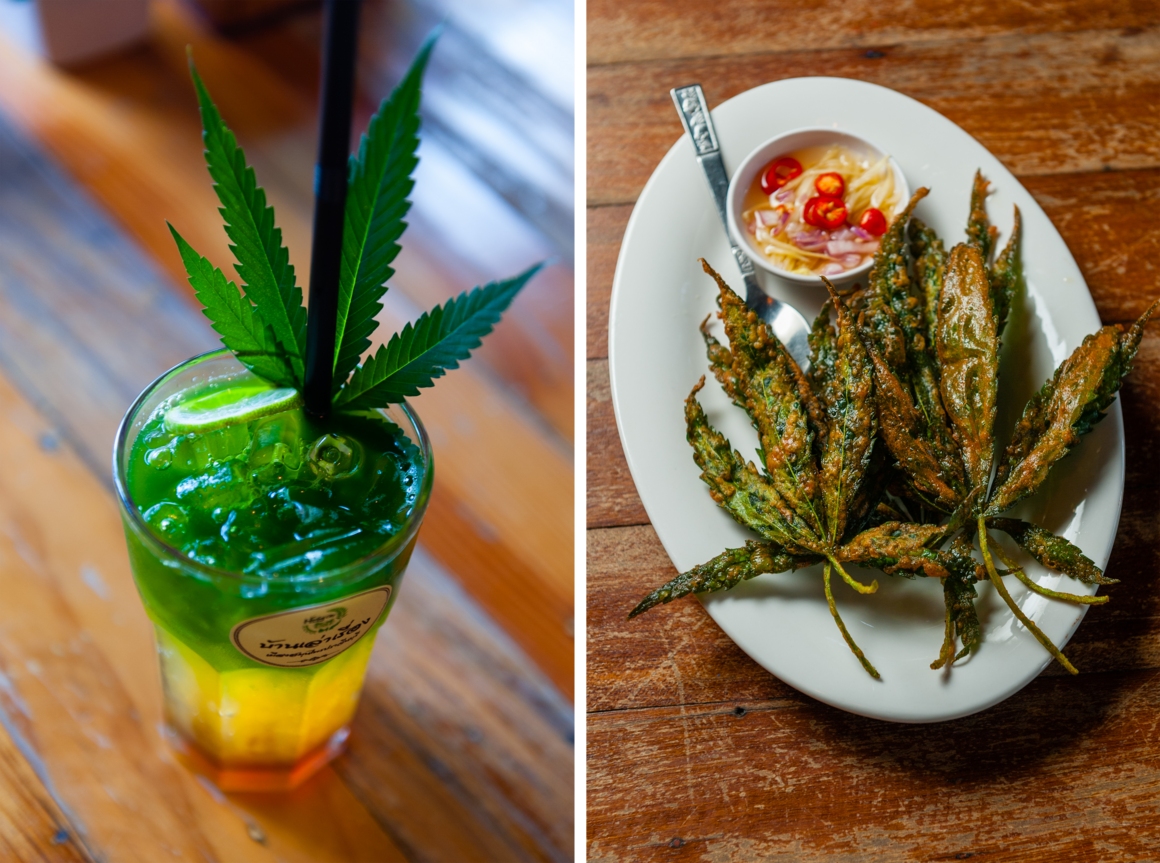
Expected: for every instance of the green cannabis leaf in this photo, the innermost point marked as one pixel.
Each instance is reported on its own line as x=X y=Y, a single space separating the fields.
x=265 y=323
x=436 y=342
x=376 y=202
x=263 y=262
x=235 y=318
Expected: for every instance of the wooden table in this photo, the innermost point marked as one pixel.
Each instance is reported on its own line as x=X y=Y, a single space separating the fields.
x=462 y=745
x=696 y=753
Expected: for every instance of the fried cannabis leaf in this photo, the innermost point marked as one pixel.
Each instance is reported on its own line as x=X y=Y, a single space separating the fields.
x=902 y=394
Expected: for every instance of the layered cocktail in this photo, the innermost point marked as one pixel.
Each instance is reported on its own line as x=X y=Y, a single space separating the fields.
x=271 y=492
x=267 y=548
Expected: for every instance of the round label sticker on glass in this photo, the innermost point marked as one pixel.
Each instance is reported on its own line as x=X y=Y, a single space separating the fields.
x=308 y=636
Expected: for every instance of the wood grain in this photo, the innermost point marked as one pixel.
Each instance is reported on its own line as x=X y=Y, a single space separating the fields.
x=612 y=497
x=1044 y=776
x=1042 y=104
x=511 y=795
x=32 y=825
x=654 y=30
x=605 y=233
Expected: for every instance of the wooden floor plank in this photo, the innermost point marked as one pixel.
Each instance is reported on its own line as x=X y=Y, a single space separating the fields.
x=612 y=496
x=631 y=32
x=1009 y=92
x=32 y=825
x=513 y=755
x=605 y=234
x=1043 y=776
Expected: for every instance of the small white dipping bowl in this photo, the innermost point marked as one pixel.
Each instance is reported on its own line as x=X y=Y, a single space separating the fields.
x=783 y=145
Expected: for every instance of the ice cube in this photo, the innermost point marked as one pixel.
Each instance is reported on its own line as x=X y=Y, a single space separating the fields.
x=159 y=458
x=155 y=434
x=211 y=552
x=196 y=452
x=334 y=456
x=394 y=488
x=223 y=486
x=276 y=450
x=169 y=521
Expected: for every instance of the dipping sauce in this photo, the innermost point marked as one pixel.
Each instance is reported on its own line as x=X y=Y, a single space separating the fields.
x=820 y=211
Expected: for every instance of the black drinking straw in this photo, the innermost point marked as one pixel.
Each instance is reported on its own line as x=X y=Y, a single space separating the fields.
x=330 y=200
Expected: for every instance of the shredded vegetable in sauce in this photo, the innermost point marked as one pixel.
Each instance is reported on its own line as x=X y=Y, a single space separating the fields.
x=819 y=211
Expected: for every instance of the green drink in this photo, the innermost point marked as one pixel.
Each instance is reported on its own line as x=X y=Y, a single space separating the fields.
x=267 y=549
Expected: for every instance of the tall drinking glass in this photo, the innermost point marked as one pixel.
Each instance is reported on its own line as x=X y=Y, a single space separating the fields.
x=261 y=671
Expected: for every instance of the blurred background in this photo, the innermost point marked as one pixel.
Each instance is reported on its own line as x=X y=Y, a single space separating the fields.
x=100 y=145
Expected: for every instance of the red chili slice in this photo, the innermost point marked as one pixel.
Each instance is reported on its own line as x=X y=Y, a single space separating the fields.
x=830 y=185
x=824 y=212
x=873 y=222
x=780 y=172
x=808 y=213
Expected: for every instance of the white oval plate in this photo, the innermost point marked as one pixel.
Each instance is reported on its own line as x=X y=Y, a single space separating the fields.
x=656 y=355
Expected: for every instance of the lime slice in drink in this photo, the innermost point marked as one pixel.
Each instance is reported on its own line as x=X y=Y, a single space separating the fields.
x=240 y=404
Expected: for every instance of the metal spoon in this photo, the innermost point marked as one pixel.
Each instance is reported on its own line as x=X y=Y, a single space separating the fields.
x=787 y=323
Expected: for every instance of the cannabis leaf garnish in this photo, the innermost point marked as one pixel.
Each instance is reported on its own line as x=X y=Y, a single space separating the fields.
x=263 y=263
x=376 y=203
x=926 y=331
x=236 y=319
x=436 y=342
x=264 y=323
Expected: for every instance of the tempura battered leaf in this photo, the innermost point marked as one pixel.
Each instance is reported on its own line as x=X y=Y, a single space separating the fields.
x=915 y=366
x=887 y=300
x=725 y=571
x=980 y=234
x=930 y=260
x=968 y=353
x=749 y=342
x=787 y=440
x=736 y=486
x=776 y=399
x=823 y=354
x=900 y=427
x=1006 y=277
x=868 y=508
x=888 y=277
x=1052 y=551
x=959 y=597
x=1017 y=571
x=721 y=364
x=893 y=326
x=1065 y=408
x=897 y=547
x=851 y=424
